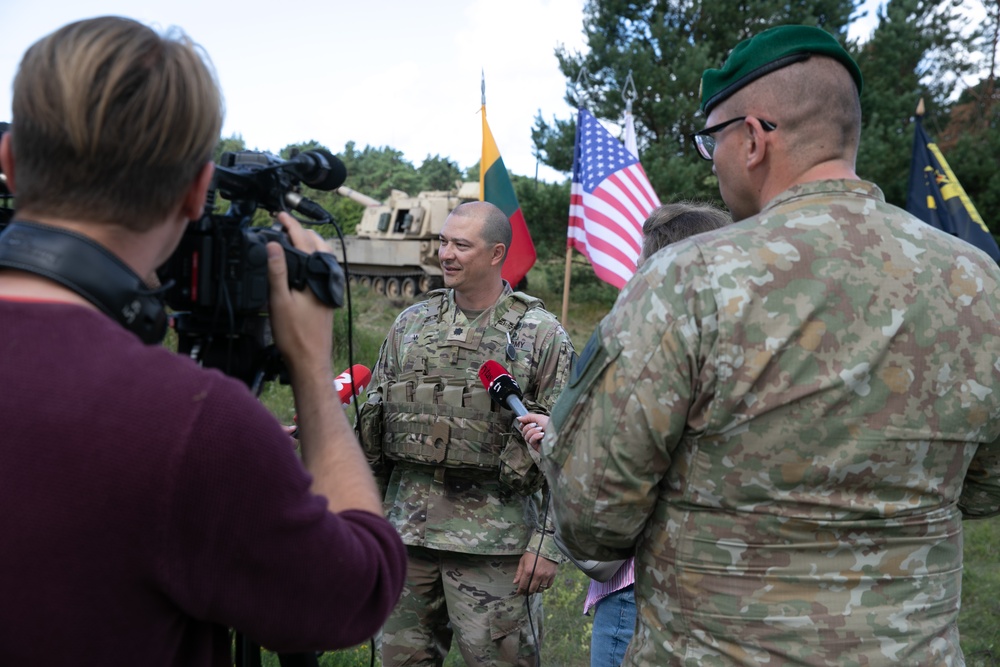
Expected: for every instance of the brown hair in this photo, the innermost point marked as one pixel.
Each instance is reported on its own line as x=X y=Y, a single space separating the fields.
x=671 y=223
x=112 y=122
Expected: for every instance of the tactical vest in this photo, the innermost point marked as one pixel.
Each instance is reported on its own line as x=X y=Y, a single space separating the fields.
x=438 y=413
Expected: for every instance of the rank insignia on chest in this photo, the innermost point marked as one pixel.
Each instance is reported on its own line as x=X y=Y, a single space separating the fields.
x=458 y=333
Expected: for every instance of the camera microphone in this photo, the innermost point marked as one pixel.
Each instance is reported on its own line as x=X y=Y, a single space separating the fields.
x=357 y=375
x=319 y=169
x=502 y=387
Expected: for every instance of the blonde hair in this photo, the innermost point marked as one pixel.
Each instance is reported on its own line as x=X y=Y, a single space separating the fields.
x=112 y=122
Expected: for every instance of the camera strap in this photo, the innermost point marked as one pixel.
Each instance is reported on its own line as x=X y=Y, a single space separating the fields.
x=87 y=268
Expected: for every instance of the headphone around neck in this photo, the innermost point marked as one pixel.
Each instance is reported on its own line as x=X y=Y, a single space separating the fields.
x=89 y=269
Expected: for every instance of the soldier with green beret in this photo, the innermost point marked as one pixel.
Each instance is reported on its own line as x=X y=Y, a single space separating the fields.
x=787 y=420
x=459 y=482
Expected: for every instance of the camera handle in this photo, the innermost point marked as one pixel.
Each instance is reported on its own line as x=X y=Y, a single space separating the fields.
x=319 y=271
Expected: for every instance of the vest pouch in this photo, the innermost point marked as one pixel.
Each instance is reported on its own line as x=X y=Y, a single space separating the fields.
x=477 y=433
x=412 y=431
x=444 y=422
x=370 y=428
x=518 y=471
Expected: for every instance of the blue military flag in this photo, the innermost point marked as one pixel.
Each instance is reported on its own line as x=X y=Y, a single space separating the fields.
x=936 y=197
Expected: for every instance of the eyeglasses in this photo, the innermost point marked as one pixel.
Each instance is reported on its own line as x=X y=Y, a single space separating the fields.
x=705 y=142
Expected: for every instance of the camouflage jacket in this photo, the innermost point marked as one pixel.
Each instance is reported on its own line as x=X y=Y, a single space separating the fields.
x=462 y=510
x=788 y=419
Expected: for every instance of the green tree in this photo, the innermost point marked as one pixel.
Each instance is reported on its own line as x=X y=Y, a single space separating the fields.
x=376 y=171
x=666 y=46
x=546 y=211
x=907 y=58
x=439 y=173
x=232 y=144
x=971 y=137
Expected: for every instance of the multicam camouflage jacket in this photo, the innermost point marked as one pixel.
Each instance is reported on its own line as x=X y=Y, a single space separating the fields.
x=460 y=504
x=788 y=419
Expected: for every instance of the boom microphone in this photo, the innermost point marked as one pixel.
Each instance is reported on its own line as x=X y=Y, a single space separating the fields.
x=342 y=383
x=502 y=387
x=319 y=169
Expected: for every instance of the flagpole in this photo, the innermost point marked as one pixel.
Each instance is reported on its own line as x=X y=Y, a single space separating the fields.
x=482 y=167
x=566 y=276
x=567 y=273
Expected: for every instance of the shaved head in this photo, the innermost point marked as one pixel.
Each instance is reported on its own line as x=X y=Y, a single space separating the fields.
x=495 y=225
x=814 y=103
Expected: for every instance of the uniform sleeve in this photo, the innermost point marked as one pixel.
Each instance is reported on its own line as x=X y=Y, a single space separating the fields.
x=615 y=428
x=555 y=359
x=245 y=543
x=556 y=356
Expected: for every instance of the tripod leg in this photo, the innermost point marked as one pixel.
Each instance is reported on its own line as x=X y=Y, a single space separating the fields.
x=247 y=653
x=298 y=660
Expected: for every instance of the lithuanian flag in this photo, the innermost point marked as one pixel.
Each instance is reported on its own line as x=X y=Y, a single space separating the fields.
x=496 y=188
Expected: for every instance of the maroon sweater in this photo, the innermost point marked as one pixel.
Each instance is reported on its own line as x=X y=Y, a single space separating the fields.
x=146 y=504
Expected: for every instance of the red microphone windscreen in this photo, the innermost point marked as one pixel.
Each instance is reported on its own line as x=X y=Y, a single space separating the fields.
x=342 y=383
x=490 y=371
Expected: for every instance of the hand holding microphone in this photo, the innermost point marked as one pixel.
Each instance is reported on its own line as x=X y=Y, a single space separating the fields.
x=503 y=389
x=532 y=428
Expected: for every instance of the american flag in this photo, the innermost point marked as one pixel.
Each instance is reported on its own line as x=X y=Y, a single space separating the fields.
x=609 y=200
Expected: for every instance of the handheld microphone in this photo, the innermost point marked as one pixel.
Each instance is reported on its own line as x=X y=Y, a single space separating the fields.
x=357 y=375
x=502 y=387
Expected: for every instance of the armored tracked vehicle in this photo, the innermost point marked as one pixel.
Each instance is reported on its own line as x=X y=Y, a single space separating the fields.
x=394 y=248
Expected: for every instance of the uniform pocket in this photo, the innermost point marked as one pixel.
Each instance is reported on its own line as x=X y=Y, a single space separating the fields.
x=510 y=631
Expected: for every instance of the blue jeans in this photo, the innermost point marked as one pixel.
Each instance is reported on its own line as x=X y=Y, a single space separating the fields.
x=614 y=622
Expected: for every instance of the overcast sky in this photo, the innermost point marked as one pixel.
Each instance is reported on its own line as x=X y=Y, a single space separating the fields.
x=397 y=73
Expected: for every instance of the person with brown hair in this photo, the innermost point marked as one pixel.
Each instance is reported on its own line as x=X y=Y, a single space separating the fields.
x=151 y=503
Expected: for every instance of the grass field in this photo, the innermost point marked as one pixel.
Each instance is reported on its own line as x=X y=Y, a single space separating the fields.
x=566 y=630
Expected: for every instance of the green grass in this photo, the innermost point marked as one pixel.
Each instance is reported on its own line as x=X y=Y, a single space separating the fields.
x=566 y=631
x=979 y=621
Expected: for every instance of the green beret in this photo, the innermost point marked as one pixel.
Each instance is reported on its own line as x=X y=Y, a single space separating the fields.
x=764 y=53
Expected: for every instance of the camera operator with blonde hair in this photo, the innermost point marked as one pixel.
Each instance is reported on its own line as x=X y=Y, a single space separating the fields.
x=151 y=503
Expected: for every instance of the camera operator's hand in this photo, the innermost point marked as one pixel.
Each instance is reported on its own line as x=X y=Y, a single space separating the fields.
x=303 y=332
x=302 y=326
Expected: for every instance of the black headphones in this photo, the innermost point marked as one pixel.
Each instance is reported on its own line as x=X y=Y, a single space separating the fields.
x=84 y=266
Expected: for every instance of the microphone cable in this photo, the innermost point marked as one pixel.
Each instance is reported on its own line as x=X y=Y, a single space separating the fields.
x=350 y=365
x=538 y=554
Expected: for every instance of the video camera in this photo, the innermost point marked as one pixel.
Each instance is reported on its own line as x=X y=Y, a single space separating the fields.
x=216 y=281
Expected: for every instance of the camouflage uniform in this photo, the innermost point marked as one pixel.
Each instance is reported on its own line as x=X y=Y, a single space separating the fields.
x=465 y=529
x=789 y=419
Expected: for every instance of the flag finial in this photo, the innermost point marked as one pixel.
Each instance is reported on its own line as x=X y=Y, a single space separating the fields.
x=628 y=92
x=920 y=107
x=483 y=87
